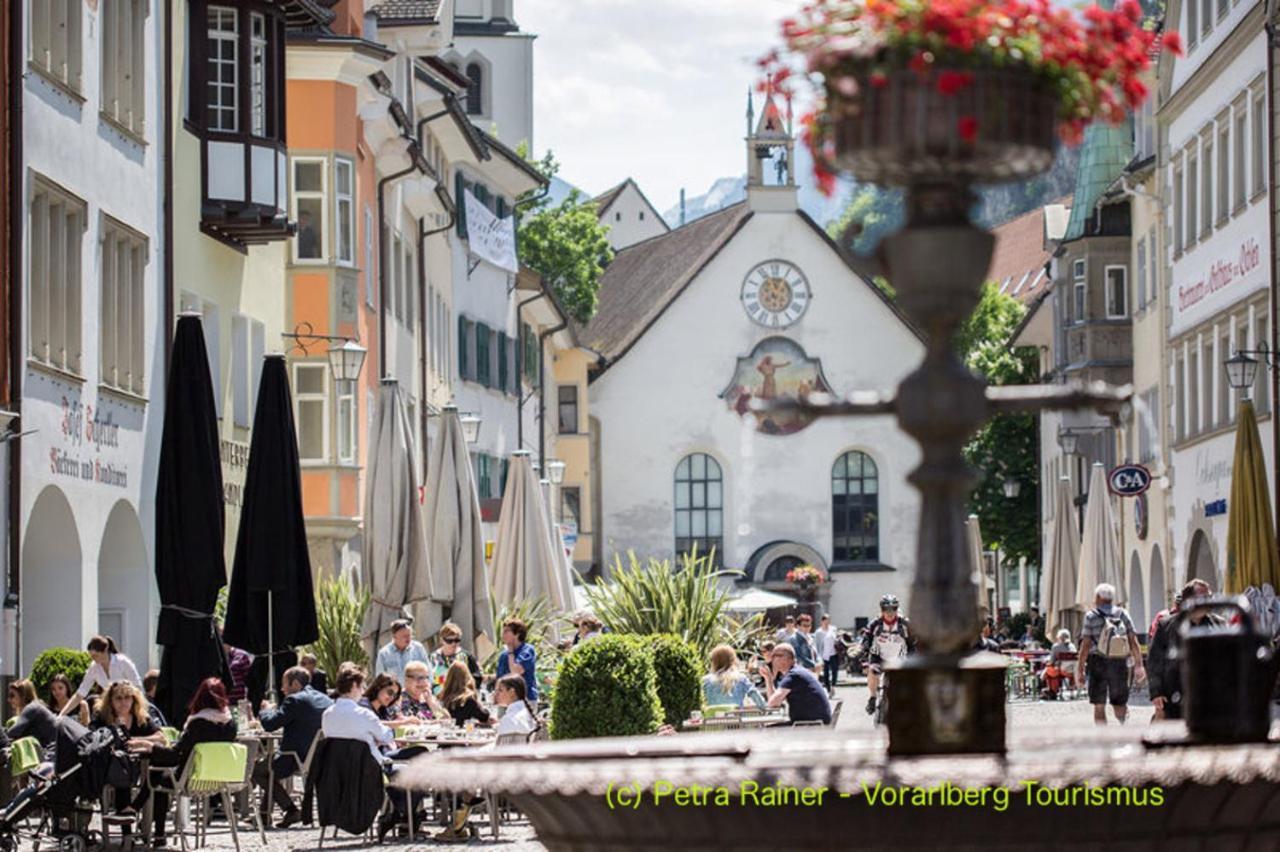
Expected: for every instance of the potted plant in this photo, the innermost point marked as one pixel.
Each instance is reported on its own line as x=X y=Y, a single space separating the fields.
x=912 y=91
x=806 y=579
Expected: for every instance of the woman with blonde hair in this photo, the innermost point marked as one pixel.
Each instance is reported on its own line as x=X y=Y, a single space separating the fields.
x=458 y=695
x=725 y=684
x=124 y=708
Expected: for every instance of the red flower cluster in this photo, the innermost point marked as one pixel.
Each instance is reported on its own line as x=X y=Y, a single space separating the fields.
x=1093 y=61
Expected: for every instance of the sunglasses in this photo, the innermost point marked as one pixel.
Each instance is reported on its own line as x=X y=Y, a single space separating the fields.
x=451 y=640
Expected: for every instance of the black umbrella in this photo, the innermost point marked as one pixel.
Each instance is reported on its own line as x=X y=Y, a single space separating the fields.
x=190 y=527
x=272 y=606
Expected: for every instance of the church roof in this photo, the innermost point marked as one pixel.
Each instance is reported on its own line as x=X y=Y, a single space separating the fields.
x=1020 y=255
x=604 y=199
x=1108 y=149
x=646 y=277
x=404 y=11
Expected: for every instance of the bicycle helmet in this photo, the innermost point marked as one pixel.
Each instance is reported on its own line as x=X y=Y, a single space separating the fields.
x=889 y=602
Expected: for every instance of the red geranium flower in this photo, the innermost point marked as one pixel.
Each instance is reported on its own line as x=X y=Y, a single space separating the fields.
x=967 y=127
x=950 y=82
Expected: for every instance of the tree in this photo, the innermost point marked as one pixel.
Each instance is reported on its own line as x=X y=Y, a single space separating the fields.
x=873 y=213
x=1006 y=446
x=565 y=243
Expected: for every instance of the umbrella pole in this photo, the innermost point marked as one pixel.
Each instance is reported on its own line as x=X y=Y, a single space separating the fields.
x=271 y=647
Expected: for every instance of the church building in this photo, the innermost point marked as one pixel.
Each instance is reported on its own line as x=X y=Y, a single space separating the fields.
x=753 y=302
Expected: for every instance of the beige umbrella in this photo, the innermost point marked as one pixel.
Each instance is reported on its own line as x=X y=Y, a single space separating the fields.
x=1062 y=558
x=526 y=563
x=396 y=570
x=973 y=540
x=455 y=541
x=1100 y=560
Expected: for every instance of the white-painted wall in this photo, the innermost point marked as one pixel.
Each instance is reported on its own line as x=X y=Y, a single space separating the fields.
x=631 y=219
x=508 y=89
x=75 y=524
x=661 y=401
x=1204 y=46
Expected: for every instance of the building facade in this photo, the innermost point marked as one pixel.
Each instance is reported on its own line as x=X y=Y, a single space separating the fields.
x=629 y=215
x=496 y=57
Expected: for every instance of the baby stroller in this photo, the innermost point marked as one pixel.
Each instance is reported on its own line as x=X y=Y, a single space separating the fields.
x=60 y=800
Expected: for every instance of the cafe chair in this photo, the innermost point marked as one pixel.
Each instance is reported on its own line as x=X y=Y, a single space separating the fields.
x=214 y=769
x=24 y=755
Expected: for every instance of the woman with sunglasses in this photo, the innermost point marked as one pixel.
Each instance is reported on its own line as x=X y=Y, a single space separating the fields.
x=447 y=652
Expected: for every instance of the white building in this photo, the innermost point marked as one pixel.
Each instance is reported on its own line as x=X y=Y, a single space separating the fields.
x=93 y=325
x=754 y=301
x=629 y=215
x=491 y=51
x=1213 y=128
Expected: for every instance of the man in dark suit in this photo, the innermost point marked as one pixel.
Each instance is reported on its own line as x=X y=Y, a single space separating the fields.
x=299 y=715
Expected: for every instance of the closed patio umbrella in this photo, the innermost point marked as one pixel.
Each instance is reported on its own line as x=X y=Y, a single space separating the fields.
x=272 y=606
x=190 y=526
x=396 y=570
x=455 y=541
x=1252 y=558
x=1100 y=560
x=526 y=564
x=1062 y=558
x=973 y=540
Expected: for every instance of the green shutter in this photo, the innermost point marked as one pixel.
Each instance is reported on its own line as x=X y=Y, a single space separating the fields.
x=463 y=372
x=502 y=362
x=460 y=201
x=483 y=372
x=500 y=208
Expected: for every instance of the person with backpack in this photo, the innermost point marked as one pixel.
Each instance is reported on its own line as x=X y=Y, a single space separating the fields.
x=1107 y=642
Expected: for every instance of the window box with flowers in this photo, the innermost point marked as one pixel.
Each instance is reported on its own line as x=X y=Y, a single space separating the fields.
x=806 y=579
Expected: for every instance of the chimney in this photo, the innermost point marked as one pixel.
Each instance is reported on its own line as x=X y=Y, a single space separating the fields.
x=682 y=205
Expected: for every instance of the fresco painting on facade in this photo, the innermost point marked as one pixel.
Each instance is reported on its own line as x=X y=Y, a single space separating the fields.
x=777 y=368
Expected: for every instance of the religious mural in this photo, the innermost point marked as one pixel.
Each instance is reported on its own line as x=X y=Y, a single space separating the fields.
x=777 y=368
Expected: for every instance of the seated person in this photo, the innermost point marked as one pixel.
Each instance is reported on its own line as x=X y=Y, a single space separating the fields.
x=299 y=715
x=60 y=690
x=520 y=716
x=448 y=652
x=34 y=718
x=1057 y=670
x=458 y=695
x=417 y=704
x=797 y=687
x=725 y=684
x=209 y=722
x=350 y=719
x=319 y=678
x=124 y=708
x=383 y=698
x=150 y=681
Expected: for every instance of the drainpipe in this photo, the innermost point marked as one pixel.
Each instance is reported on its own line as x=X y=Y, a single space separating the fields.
x=167 y=202
x=382 y=266
x=1275 y=291
x=13 y=282
x=520 y=398
x=542 y=397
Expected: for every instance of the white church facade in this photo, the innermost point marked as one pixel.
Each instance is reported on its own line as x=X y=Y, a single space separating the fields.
x=753 y=302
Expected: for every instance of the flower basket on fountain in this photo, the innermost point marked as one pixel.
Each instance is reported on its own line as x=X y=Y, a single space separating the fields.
x=914 y=91
x=806 y=579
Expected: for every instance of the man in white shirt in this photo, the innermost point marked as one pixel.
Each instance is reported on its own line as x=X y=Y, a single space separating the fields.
x=347 y=720
x=400 y=651
x=825 y=638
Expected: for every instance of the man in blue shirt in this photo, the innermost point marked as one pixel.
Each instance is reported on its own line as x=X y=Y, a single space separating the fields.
x=518 y=657
x=400 y=651
x=798 y=688
x=300 y=716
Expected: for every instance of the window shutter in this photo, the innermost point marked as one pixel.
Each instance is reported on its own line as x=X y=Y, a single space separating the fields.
x=463 y=373
x=500 y=208
x=502 y=362
x=460 y=202
x=513 y=387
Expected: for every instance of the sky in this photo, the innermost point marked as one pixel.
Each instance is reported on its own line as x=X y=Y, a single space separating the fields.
x=649 y=89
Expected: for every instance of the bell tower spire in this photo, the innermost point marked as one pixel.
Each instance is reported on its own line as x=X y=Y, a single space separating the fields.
x=771 y=150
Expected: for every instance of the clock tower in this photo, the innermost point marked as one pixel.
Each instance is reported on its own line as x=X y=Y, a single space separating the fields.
x=771 y=157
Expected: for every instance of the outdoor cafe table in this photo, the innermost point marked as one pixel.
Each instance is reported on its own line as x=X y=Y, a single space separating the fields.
x=733 y=720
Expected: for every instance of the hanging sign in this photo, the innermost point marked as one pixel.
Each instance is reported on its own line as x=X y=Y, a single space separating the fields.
x=1129 y=480
x=491 y=238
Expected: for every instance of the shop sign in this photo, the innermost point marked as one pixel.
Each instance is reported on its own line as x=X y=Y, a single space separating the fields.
x=1129 y=480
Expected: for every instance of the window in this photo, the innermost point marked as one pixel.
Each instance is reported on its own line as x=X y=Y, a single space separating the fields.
x=1079 y=291
x=1177 y=211
x=347 y=422
x=370 y=273
x=344 y=190
x=617 y=217
x=1206 y=194
x=484 y=475
x=1193 y=391
x=501 y=352
x=475 y=90
x=641 y=215
x=55 y=40
x=465 y=349
x=1259 y=144
x=855 y=509
x=1224 y=389
x=699 y=506
x=1224 y=6
x=1193 y=175
x=1117 y=292
x=1224 y=168
x=1193 y=23
x=57 y=229
x=1206 y=17
x=1180 y=378
x=222 y=73
x=122 y=330
x=407 y=283
x=1142 y=273
x=482 y=354
x=1241 y=119
x=241 y=393
x=397 y=276
x=310 y=407
x=1211 y=368
x=1148 y=424
x=309 y=208
x=571 y=505
x=123 y=63
x=532 y=367
x=1153 y=266
x=568 y=409
x=257 y=74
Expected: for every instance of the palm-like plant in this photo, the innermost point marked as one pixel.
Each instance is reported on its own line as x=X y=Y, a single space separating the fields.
x=340 y=609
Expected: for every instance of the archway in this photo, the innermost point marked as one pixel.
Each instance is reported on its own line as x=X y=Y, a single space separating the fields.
x=1137 y=605
x=1200 y=561
x=1158 y=598
x=770 y=563
x=124 y=583
x=52 y=578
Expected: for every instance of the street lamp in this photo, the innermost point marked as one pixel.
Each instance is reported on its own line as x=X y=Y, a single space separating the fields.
x=1012 y=488
x=1241 y=371
x=470 y=427
x=555 y=471
x=346 y=360
x=1069 y=441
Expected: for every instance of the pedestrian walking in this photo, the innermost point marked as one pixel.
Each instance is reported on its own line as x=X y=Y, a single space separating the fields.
x=1108 y=642
x=825 y=638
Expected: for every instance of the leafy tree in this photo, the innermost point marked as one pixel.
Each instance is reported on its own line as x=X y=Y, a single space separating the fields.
x=873 y=213
x=1006 y=447
x=565 y=243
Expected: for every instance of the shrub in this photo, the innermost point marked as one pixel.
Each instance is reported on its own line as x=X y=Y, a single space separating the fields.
x=606 y=687
x=69 y=661
x=340 y=610
x=679 y=673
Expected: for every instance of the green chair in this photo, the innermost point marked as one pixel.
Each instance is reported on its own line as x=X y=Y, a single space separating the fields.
x=10 y=722
x=214 y=769
x=171 y=735
x=24 y=756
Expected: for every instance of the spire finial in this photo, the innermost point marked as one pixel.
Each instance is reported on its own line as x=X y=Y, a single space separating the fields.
x=751 y=112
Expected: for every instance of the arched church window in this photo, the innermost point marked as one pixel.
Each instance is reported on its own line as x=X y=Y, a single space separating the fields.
x=699 y=505
x=855 y=509
x=475 y=91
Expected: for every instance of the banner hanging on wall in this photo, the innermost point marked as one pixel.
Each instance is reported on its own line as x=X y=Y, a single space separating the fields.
x=491 y=238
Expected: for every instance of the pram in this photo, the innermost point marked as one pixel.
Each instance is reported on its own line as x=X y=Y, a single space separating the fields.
x=61 y=797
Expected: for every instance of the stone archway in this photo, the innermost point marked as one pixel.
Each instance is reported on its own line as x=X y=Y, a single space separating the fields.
x=52 y=594
x=781 y=556
x=1137 y=603
x=124 y=584
x=1158 y=598
x=1200 y=561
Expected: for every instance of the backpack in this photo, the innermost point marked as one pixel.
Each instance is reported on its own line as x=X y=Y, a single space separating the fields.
x=1114 y=641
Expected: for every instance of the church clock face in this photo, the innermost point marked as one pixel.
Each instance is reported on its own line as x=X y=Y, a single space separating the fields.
x=775 y=294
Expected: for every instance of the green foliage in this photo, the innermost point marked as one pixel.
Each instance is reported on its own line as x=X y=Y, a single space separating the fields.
x=679 y=673
x=654 y=597
x=69 y=661
x=220 y=606
x=1016 y=625
x=565 y=243
x=607 y=687
x=1006 y=447
x=872 y=214
x=340 y=611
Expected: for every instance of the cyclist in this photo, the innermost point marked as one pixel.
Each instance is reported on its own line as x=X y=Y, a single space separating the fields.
x=884 y=640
